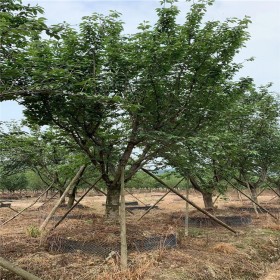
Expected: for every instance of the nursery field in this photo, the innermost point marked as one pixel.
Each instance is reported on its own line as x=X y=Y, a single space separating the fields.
x=85 y=246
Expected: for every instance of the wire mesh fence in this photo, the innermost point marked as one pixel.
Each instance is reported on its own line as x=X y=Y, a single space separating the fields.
x=104 y=249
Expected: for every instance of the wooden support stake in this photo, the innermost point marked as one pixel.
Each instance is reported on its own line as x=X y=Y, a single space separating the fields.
x=158 y=201
x=71 y=184
x=78 y=201
x=190 y=202
x=17 y=270
x=252 y=200
x=123 y=225
x=27 y=206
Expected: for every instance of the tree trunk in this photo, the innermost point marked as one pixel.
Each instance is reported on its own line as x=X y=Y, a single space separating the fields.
x=60 y=195
x=207 y=195
x=112 y=202
x=208 y=200
x=254 y=194
x=72 y=196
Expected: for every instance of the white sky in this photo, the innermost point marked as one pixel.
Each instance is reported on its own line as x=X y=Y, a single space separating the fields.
x=264 y=44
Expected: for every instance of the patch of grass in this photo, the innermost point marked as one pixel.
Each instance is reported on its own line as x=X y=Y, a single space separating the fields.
x=33 y=231
x=270 y=231
x=196 y=232
x=88 y=222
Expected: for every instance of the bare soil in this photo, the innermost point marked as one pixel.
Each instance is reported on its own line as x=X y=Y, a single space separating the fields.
x=206 y=253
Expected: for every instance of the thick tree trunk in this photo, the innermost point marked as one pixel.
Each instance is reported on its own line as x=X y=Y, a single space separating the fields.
x=207 y=195
x=112 y=202
x=208 y=200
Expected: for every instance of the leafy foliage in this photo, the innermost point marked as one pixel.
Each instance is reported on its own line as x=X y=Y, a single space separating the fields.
x=126 y=99
x=14 y=182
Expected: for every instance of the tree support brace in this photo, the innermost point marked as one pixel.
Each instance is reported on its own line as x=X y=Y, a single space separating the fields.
x=159 y=200
x=190 y=202
x=17 y=270
x=265 y=210
x=78 y=201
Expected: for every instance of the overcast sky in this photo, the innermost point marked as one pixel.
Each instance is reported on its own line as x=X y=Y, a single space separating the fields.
x=264 y=44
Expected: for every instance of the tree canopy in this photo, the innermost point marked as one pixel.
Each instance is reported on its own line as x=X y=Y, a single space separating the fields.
x=124 y=98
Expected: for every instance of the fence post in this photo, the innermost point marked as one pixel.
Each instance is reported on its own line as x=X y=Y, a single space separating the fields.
x=123 y=225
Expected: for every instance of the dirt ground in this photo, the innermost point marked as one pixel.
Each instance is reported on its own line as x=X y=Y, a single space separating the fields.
x=206 y=253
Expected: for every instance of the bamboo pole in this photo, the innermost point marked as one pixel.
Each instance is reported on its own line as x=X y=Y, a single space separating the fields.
x=159 y=200
x=71 y=184
x=123 y=225
x=17 y=270
x=252 y=200
x=190 y=202
x=27 y=206
x=187 y=212
x=78 y=201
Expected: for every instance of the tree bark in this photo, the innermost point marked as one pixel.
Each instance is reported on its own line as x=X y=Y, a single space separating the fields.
x=208 y=200
x=71 y=197
x=112 y=202
x=206 y=195
x=253 y=190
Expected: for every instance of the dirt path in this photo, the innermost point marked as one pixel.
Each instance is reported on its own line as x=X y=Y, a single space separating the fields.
x=274 y=274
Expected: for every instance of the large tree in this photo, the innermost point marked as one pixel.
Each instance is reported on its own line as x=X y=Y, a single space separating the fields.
x=123 y=98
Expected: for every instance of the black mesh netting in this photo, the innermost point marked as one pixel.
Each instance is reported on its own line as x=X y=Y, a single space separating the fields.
x=104 y=249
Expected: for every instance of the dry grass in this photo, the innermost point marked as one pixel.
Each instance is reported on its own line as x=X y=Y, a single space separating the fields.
x=224 y=248
x=208 y=253
x=136 y=270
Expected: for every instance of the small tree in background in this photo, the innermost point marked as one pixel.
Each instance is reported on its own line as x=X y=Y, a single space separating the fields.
x=12 y=183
